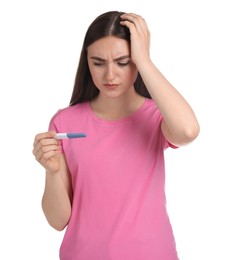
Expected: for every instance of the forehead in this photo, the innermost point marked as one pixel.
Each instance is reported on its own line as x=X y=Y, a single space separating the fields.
x=109 y=47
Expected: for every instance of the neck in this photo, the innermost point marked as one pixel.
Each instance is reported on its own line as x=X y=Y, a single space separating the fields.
x=117 y=107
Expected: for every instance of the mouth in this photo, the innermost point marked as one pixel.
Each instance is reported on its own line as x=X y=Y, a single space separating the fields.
x=111 y=85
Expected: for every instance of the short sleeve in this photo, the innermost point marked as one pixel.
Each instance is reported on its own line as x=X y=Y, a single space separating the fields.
x=166 y=143
x=55 y=122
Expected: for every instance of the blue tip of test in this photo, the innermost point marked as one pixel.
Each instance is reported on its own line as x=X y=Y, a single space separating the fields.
x=76 y=135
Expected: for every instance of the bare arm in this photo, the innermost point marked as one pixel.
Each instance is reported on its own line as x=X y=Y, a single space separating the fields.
x=56 y=200
x=179 y=125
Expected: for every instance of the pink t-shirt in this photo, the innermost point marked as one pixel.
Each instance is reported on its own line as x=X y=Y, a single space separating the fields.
x=118 y=176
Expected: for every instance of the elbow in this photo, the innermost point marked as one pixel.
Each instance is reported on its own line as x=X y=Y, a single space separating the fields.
x=58 y=221
x=191 y=133
x=182 y=135
x=185 y=136
x=58 y=227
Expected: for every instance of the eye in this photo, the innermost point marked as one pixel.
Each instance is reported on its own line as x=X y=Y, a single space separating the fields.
x=98 y=64
x=122 y=64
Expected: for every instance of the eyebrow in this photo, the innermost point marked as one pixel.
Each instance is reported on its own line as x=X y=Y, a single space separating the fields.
x=117 y=59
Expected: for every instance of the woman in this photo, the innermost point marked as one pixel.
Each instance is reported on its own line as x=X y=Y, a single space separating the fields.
x=107 y=189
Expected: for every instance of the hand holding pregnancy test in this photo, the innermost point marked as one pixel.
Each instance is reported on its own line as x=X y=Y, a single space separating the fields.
x=69 y=135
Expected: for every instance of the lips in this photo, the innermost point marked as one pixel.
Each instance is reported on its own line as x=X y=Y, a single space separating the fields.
x=111 y=86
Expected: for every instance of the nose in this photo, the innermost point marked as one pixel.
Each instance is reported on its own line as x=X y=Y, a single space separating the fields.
x=110 y=72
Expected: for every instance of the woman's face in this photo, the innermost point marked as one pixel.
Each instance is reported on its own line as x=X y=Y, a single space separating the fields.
x=111 y=67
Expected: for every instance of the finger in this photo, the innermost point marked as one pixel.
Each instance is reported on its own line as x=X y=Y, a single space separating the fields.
x=137 y=20
x=133 y=17
x=47 y=156
x=38 y=137
x=136 y=29
x=47 y=151
x=43 y=143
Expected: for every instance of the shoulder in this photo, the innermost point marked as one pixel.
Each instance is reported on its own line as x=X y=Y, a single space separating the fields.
x=69 y=118
x=151 y=108
x=157 y=117
x=150 y=104
x=71 y=111
x=69 y=115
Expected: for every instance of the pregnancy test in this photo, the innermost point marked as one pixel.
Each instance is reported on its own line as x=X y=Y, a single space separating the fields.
x=69 y=135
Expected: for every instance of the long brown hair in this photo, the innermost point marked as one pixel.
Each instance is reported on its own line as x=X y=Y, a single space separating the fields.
x=106 y=24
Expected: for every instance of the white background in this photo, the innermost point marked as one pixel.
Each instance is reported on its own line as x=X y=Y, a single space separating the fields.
x=191 y=43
